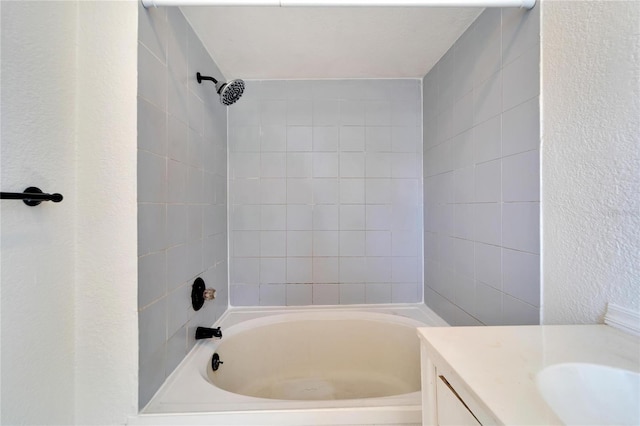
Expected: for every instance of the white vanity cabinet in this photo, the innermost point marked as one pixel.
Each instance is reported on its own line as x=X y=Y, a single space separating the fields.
x=446 y=401
x=451 y=408
x=487 y=375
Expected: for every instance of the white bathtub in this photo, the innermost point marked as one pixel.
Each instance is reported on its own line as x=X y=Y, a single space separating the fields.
x=314 y=366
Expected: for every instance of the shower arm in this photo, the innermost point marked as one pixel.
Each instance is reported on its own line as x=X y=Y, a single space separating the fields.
x=526 y=4
x=204 y=77
x=200 y=77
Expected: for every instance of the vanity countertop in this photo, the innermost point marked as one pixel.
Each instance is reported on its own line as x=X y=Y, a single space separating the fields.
x=498 y=365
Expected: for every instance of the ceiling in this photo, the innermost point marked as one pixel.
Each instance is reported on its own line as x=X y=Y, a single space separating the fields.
x=331 y=42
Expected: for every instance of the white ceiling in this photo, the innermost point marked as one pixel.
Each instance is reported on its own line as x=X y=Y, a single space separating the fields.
x=332 y=42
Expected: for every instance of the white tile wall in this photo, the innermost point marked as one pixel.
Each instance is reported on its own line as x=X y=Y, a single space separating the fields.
x=481 y=174
x=326 y=192
x=182 y=175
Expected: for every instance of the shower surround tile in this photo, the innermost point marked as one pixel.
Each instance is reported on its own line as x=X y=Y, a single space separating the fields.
x=350 y=151
x=481 y=173
x=182 y=175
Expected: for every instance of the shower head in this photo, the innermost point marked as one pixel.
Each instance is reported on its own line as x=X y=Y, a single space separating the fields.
x=229 y=92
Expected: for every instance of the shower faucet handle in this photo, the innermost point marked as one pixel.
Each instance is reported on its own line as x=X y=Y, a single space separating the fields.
x=209 y=293
x=199 y=293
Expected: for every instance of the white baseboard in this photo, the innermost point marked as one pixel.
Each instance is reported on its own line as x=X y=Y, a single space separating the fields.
x=623 y=319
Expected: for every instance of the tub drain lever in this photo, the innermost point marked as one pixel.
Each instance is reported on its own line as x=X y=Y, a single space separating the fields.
x=208 y=333
x=215 y=362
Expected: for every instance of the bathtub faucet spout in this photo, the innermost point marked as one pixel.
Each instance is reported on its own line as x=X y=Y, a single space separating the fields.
x=208 y=333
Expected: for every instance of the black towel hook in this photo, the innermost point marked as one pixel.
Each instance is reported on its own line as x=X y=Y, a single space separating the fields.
x=32 y=196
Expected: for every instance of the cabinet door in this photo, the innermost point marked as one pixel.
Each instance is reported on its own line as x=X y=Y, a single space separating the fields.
x=452 y=411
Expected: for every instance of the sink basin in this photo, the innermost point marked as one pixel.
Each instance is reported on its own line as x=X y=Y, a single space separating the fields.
x=590 y=394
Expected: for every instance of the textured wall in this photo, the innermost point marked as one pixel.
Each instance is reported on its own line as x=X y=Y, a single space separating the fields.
x=105 y=296
x=325 y=192
x=38 y=131
x=69 y=269
x=591 y=159
x=481 y=173
x=182 y=175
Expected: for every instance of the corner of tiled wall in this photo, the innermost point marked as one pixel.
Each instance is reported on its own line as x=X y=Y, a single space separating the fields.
x=182 y=209
x=325 y=192
x=481 y=173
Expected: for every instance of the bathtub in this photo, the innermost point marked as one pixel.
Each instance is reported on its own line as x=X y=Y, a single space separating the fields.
x=315 y=366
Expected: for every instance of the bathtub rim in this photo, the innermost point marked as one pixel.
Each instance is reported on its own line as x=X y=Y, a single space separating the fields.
x=387 y=414
x=416 y=311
